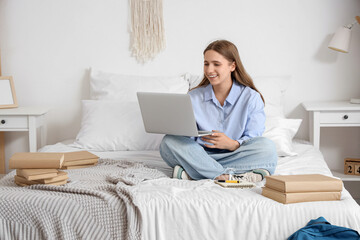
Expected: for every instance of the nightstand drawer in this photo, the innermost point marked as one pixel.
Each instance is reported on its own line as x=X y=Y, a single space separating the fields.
x=13 y=122
x=340 y=117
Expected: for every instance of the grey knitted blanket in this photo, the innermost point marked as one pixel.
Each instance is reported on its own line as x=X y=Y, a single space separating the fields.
x=97 y=203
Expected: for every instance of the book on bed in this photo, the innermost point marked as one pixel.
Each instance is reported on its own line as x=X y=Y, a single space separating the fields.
x=57 y=180
x=22 y=183
x=79 y=159
x=36 y=160
x=60 y=177
x=79 y=166
x=35 y=174
x=296 y=197
x=80 y=162
x=303 y=183
x=79 y=155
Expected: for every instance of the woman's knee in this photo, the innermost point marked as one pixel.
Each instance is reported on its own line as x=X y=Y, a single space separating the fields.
x=172 y=143
x=269 y=154
x=267 y=148
x=174 y=147
x=166 y=150
x=169 y=141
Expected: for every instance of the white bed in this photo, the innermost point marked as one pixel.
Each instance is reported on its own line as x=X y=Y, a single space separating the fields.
x=121 y=199
x=180 y=209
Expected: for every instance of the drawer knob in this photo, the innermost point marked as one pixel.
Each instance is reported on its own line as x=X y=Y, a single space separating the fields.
x=346 y=117
x=3 y=121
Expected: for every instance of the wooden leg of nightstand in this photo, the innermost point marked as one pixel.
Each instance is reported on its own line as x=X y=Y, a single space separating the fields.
x=2 y=153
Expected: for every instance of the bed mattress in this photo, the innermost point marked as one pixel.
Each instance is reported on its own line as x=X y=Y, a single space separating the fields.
x=179 y=209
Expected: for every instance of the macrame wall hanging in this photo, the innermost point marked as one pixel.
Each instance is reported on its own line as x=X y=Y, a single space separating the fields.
x=147 y=29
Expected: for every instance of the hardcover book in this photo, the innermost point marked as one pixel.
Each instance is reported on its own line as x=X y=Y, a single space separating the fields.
x=36 y=160
x=62 y=182
x=80 y=155
x=61 y=176
x=23 y=182
x=79 y=159
x=80 y=162
x=303 y=183
x=35 y=174
x=79 y=166
x=300 y=196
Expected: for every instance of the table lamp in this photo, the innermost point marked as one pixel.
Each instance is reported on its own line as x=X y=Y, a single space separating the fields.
x=341 y=41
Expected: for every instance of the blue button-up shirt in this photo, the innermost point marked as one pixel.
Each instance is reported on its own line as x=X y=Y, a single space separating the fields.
x=241 y=117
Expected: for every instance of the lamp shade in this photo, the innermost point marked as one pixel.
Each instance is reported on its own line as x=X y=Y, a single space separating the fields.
x=341 y=40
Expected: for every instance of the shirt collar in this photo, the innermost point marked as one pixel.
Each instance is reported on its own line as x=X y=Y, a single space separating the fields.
x=208 y=93
x=234 y=92
x=231 y=98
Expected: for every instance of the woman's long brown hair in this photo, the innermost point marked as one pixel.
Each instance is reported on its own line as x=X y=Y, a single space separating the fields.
x=230 y=52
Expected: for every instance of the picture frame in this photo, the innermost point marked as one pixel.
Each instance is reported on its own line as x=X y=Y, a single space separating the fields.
x=7 y=93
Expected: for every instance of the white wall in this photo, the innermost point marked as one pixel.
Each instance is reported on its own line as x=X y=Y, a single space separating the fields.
x=48 y=45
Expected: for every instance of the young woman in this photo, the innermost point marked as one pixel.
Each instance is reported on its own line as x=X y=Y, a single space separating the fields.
x=228 y=103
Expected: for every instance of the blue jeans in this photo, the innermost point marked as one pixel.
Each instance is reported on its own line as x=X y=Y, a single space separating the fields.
x=208 y=163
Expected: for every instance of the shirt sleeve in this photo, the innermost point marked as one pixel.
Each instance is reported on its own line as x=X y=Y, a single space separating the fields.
x=255 y=124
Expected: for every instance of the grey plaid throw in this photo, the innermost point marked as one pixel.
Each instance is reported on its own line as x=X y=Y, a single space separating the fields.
x=96 y=203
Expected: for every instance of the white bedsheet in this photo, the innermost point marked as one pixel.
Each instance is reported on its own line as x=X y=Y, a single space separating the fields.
x=178 y=209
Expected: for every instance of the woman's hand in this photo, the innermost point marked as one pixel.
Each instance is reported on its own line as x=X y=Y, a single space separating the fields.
x=220 y=141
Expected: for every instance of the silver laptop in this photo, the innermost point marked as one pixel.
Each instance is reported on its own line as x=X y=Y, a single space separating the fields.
x=168 y=113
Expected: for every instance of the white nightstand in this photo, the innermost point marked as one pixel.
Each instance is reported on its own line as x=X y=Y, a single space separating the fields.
x=332 y=114
x=22 y=119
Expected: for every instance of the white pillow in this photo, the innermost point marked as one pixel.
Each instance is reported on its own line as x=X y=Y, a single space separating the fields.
x=193 y=80
x=281 y=131
x=273 y=90
x=113 y=86
x=114 y=126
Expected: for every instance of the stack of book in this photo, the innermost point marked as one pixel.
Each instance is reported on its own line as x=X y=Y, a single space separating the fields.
x=26 y=177
x=79 y=159
x=38 y=168
x=302 y=188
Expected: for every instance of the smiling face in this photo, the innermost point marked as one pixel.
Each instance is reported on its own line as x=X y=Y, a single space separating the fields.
x=217 y=68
